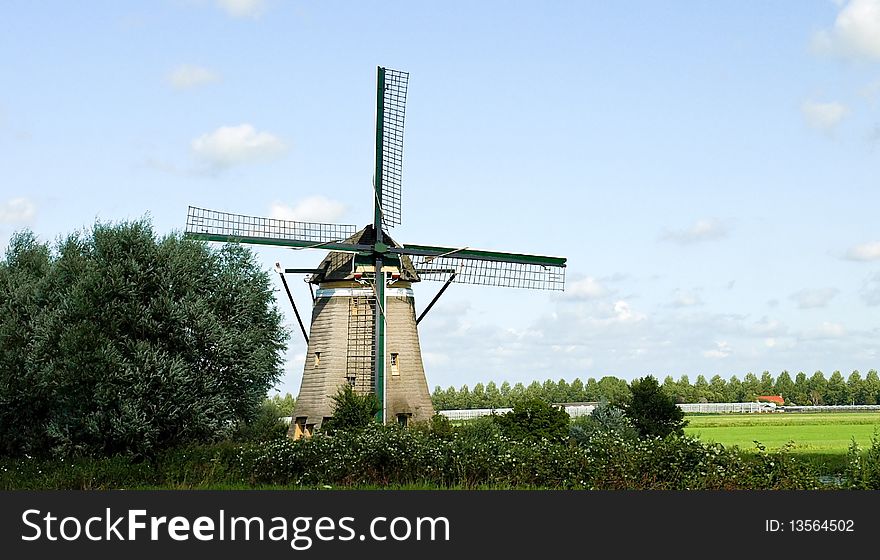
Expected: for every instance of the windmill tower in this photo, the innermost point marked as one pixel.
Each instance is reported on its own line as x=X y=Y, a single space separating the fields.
x=364 y=327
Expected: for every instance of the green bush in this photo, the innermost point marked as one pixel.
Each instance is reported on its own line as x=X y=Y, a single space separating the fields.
x=390 y=456
x=652 y=412
x=265 y=426
x=534 y=420
x=440 y=426
x=118 y=342
x=351 y=411
x=605 y=418
x=863 y=467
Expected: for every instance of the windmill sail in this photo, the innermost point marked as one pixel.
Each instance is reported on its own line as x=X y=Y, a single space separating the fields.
x=390 y=113
x=487 y=268
x=212 y=225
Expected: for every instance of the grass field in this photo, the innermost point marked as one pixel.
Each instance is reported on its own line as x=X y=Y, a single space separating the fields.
x=814 y=434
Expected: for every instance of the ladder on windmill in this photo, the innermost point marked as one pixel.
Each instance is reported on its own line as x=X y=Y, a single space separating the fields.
x=361 y=347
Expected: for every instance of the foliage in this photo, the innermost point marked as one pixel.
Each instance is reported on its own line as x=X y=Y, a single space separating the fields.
x=351 y=411
x=387 y=456
x=440 y=426
x=803 y=390
x=265 y=426
x=651 y=411
x=604 y=419
x=116 y=341
x=863 y=468
x=284 y=404
x=534 y=419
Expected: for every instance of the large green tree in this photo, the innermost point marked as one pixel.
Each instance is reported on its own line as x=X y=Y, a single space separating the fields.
x=784 y=386
x=653 y=412
x=836 y=390
x=118 y=341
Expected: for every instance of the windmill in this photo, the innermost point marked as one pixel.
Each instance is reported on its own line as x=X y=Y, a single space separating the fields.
x=364 y=328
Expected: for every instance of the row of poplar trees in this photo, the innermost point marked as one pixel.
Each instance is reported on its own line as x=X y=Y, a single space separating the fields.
x=801 y=389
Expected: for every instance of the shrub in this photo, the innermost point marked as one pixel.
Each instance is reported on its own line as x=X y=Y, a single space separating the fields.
x=118 y=342
x=267 y=425
x=387 y=455
x=605 y=418
x=653 y=412
x=351 y=411
x=863 y=467
x=440 y=426
x=534 y=419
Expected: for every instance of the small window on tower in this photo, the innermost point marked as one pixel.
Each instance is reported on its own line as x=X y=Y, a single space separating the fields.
x=299 y=429
x=395 y=361
x=317 y=359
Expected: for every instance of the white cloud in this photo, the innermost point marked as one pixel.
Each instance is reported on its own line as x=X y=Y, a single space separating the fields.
x=855 y=33
x=703 y=230
x=871 y=290
x=826 y=330
x=311 y=209
x=585 y=288
x=435 y=359
x=823 y=116
x=767 y=327
x=864 y=252
x=232 y=145
x=17 y=210
x=686 y=299
x=242 y=8
x=623 y=313
x=721 y=350
x=188 y=76
x=779 y=344
x=813 y=298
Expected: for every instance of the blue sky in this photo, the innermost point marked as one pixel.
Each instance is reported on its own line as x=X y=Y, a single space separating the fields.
x=709 y=169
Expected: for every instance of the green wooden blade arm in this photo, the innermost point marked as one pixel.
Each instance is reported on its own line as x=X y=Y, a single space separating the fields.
x=488 y=268
x=294 y=243
x=377 y=173
x=478 y=255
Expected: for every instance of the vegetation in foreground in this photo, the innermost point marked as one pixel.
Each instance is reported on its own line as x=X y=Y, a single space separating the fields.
x=474 y=457
x=602 y=451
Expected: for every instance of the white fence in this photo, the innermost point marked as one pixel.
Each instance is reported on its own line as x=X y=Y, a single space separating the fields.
x=833 y=408
x=573 y=410
x=727 y=407
x=583 y=409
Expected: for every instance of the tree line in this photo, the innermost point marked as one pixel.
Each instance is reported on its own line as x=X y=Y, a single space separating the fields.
x=802 y=389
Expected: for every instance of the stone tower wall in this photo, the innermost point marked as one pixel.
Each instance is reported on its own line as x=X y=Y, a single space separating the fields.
x=406 y=387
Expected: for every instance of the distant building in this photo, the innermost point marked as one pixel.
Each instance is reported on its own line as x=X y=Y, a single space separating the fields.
x=775 y=399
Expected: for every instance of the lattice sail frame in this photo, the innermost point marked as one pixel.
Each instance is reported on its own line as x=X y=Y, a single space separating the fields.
x=394 y=105
x=490 y=273
x=201 y=221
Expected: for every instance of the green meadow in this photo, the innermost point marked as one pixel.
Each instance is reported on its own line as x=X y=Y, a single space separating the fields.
x=810 y=433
